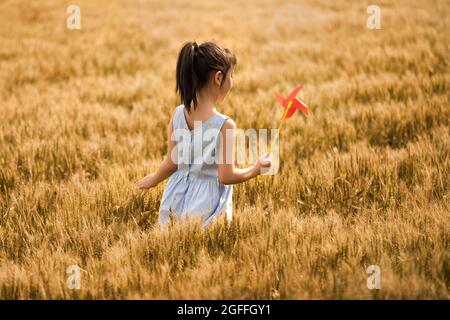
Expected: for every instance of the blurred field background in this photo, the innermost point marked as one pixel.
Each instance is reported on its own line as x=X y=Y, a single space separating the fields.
x=363 y=181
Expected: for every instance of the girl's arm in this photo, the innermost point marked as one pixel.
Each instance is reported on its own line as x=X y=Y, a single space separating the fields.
x=228 y=174
x=165 y=169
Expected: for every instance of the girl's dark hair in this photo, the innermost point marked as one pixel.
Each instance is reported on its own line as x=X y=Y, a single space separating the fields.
x=195 y=65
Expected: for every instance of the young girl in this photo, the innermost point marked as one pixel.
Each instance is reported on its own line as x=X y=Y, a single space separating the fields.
x=197 y=185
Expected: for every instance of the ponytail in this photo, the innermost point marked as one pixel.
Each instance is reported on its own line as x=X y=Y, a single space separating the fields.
x=194 y=66
x=186 y=78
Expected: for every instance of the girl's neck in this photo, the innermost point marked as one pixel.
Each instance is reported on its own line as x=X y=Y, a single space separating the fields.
x=205 y=106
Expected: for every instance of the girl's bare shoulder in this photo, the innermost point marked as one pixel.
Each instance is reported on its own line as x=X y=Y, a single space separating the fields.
x=229 y=124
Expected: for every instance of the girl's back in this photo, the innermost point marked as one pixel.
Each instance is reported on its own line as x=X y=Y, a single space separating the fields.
x=195 y=188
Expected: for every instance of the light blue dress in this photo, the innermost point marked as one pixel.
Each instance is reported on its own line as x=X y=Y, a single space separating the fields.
x=194 y=189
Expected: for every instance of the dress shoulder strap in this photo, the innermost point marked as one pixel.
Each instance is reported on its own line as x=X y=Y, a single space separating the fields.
x=220 y=119
x=178 y=118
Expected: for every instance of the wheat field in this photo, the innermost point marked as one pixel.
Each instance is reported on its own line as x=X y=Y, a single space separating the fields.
x=364 y=180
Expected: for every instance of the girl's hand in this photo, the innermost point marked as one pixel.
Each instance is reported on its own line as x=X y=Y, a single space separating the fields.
x=264 y=162
x=145 y=183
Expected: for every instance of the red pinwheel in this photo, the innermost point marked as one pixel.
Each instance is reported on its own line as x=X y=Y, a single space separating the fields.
x=291 y=103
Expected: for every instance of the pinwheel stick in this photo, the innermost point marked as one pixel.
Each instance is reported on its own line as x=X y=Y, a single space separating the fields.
x=277 y=137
